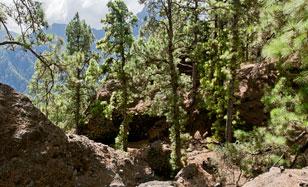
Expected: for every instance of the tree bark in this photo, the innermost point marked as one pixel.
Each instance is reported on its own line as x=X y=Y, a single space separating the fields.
x=46 y=99
x=78 y=100
x=229 y=129
x=125 y=122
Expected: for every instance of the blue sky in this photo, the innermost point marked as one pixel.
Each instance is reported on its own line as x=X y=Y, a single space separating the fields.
x=62 y=11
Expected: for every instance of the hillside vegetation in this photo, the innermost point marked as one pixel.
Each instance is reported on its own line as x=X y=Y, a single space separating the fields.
x=231 y=74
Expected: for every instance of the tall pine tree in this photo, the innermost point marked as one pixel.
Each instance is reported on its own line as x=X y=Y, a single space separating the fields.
x=162 y=52
x=117 y=44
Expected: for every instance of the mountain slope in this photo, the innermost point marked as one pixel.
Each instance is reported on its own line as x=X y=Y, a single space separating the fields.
x=17 y=67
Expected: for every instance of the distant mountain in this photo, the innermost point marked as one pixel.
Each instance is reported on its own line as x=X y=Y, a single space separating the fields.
x=141 y=20
x=59 y=30
x=17 y=67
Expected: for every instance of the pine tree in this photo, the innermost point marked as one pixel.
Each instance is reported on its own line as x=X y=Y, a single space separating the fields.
x=230 y=29
x=234 y=65
x=76 y=62
x=117 y=43
x=162 y=51
x=79 y=37
x=40 y=87
x=66 y=87
x=195 y=33
x=43 y=84
x=216 y=74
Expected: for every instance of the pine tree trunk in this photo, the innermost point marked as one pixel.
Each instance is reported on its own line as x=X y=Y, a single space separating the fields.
x=195 y=81
x=78 y=96
x=78 y=100
x=194 y=64
x=228 y=133
x=125 y=137
x=174 y=84
x=46 y=100
x=125 y=122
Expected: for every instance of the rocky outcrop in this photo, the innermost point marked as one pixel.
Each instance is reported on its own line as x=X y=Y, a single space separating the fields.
x=157 y=155
x=34 y=152
x=142 y=127
x=194 y=175
x=282 y=178
x=210 y=168
x=253 y=80
x=203 y=167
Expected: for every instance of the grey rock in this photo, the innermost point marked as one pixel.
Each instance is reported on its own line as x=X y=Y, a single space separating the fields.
x=159 y=184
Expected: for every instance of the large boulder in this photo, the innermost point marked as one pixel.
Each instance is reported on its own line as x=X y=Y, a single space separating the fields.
x=34 y=152
x=211 y=168
x=194 y=175
x=157 y=155
x=282 y=178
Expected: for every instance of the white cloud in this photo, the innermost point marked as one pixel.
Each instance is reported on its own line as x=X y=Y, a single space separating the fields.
x=62 y=11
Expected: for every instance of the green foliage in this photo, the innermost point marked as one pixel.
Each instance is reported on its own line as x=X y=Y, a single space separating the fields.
x=287 y=102
x=219 y=65
x=80 y=73
x=282 y=141
x=118 y=27
x=123 y=133
x=42 y=85
x=64 y=90
x=256 y=151
x=117 y=43
x=232 y=30
x=79 y=85
x=159 y=55
x=102 y=109
x=79 y=36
